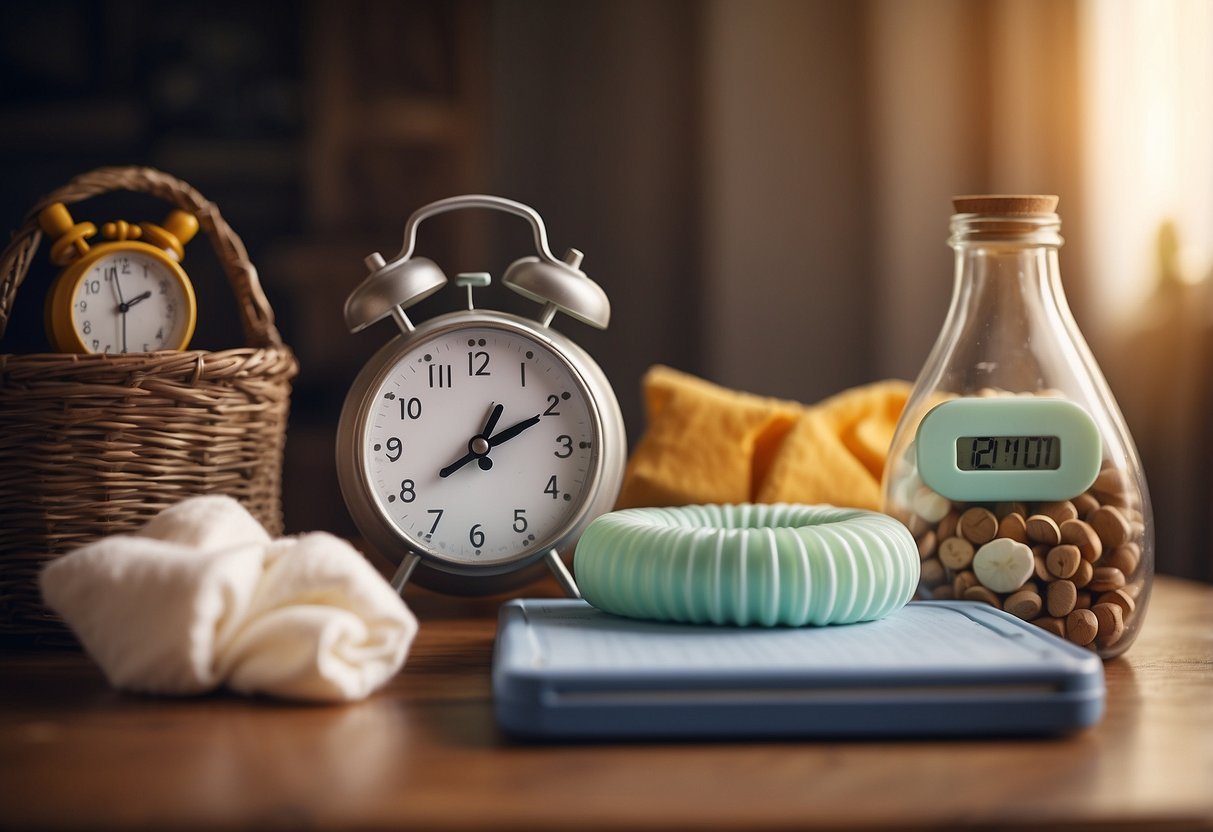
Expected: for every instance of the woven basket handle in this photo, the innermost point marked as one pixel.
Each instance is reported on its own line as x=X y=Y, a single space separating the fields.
x=256 y=316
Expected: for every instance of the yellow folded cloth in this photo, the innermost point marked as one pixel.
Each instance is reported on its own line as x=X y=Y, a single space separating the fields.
x=707 y=444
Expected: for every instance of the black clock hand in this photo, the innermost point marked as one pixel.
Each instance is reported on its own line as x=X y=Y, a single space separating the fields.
x=122 y=307
x=479 y=446
x=126 y=307
x=457 y=464
x=492 y=421
x=512 y=431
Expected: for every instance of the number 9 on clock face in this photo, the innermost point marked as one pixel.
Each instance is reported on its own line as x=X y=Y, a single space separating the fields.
x=478 y=445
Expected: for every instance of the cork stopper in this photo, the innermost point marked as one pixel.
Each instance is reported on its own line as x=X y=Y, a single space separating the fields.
x=1005 y=204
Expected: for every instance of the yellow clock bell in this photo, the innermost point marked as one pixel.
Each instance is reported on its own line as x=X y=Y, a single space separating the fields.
x=128 y=294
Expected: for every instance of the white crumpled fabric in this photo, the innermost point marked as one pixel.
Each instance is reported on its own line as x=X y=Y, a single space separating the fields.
x=202 y=597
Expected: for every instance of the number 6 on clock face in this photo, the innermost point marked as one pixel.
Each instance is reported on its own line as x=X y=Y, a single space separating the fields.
x=477 y=444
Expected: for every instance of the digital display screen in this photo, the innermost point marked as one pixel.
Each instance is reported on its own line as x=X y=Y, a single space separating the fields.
x=1008 y=453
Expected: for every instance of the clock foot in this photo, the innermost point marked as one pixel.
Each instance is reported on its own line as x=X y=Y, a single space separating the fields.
x=563 y=577
x=403 y=571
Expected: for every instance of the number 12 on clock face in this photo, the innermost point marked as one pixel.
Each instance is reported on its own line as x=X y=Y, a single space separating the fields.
x=479 y=445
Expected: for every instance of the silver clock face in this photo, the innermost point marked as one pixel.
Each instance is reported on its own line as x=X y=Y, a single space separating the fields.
x=479 y=445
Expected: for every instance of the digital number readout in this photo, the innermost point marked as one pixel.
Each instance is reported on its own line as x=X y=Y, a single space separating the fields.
x=1008 y=453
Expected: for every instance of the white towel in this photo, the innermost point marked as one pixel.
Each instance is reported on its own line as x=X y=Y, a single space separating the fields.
x=201 y=597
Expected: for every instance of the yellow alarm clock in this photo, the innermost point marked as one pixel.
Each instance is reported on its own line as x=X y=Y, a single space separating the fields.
x=128 y=294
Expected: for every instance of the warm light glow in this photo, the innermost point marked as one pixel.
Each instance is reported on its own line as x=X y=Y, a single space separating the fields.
x=1148 y=147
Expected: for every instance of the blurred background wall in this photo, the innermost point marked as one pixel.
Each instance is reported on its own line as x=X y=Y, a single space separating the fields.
x=762 y=188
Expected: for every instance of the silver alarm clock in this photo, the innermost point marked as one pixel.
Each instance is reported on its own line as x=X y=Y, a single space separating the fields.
x=477 y=446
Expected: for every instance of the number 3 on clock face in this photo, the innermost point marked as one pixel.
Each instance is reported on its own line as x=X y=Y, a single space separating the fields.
x=479 y=445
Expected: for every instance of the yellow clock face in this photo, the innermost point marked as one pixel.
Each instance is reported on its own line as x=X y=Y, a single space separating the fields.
x=126 y=297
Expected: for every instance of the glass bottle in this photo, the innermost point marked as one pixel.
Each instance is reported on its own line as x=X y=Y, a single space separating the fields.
x=1015 y=496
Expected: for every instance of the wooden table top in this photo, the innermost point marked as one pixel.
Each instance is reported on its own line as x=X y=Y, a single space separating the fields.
x=425 y=754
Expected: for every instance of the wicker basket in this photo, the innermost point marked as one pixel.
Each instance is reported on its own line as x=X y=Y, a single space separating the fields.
x=92 y=445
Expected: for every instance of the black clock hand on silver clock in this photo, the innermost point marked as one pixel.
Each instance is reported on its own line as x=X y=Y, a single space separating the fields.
x=478 y=446
x=492 y=420
x=513 y=430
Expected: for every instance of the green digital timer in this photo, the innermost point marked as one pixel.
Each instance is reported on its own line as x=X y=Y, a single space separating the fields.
x=1008 y=448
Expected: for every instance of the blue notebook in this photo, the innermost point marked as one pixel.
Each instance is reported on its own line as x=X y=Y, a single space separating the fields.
x=563 y=669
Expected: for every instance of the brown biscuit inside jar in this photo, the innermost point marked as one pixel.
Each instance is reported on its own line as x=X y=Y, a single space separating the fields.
x=1089 y=547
